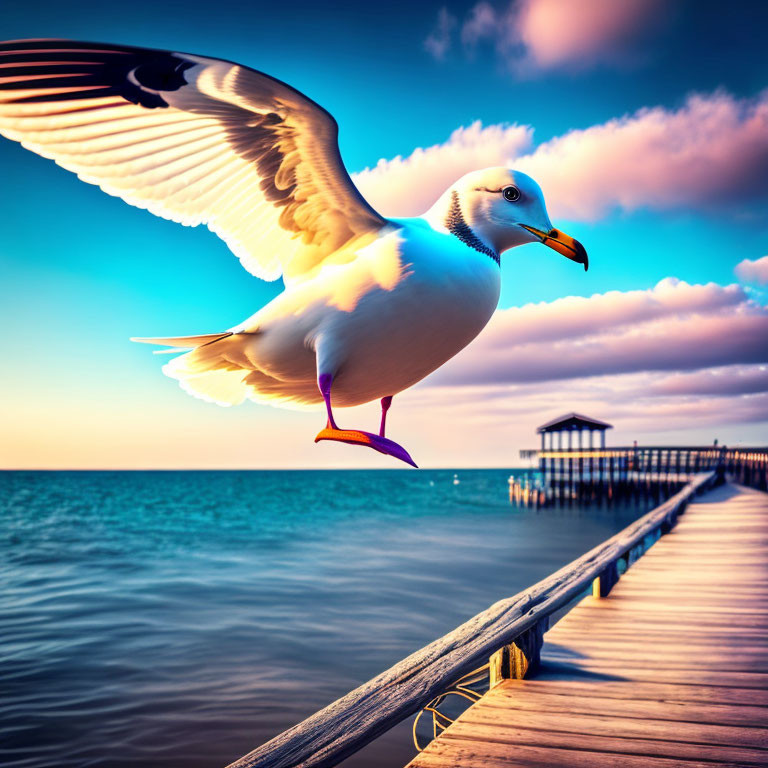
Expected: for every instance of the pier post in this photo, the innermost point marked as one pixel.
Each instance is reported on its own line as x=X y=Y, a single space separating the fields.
x=611 y=477
x=606 y=581
x=519 y=659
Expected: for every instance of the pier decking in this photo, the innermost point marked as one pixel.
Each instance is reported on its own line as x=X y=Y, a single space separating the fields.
x=670 y=670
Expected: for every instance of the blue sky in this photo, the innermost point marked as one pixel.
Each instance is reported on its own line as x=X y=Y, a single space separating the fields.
x=81 y=272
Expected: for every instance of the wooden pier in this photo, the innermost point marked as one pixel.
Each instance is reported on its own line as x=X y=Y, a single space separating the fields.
x=669 y=670
x=664 y=666
x=595 y=475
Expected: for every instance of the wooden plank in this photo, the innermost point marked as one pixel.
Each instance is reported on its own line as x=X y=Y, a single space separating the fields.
x=660 y=615
x=655 y=708
x=479 y=754
x=511 y=734
x=697 y=659
x=693 y=605
x=496 y=712
x=620 y=626
x=660 y=634
x=627 y=644
x=669 y=629
x=641 y=690
x=618 y=670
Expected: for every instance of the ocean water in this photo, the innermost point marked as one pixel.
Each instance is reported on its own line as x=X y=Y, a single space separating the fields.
x=172 y=619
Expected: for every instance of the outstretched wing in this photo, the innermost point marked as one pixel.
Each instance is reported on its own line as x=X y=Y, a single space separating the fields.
x=193 y=139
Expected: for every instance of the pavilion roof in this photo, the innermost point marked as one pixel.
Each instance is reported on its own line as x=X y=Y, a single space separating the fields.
x=573 y=421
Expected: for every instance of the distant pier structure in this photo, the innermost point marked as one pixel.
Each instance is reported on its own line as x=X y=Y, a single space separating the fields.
x=570 y=425
x=575 y=466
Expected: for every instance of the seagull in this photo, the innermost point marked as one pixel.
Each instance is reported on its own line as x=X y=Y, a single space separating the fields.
x=371 y=304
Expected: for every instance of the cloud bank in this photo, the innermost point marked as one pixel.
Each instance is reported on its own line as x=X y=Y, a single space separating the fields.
x=671 y=327
x=711 y=152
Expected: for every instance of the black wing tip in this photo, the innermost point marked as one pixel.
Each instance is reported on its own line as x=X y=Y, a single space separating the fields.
x=138 y=75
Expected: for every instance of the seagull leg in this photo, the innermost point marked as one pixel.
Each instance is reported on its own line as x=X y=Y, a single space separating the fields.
x=324 y=384
x=386 y=402
x=355 y=436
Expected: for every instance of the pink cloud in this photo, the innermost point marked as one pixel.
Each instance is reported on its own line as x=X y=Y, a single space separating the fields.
x=580 y=317
x=531 y=35
x=731 y=380
x=561 y=32
x=753 y=270
x=712 y=151
x=672 y=327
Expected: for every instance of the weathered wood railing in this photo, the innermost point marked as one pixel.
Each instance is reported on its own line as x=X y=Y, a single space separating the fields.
x=507 y=629
x=748 y=466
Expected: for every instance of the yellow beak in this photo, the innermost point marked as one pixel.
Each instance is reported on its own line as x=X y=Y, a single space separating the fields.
x=562 y=243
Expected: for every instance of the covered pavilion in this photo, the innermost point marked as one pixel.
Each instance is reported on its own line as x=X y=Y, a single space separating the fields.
x=569 y=424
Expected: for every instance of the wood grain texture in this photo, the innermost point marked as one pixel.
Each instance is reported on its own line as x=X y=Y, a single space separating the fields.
x=345 y=726
x=671 y=669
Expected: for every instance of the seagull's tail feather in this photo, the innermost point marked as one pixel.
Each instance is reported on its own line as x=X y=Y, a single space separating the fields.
x=186 y=342
x=213 y=370
x=223 y=369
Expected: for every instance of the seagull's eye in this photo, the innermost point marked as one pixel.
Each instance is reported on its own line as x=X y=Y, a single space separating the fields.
x=511 y=193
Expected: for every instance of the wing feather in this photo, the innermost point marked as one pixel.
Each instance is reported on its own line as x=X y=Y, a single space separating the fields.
x=193 y=139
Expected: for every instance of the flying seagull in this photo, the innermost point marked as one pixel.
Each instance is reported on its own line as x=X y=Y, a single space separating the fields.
x=371 y=304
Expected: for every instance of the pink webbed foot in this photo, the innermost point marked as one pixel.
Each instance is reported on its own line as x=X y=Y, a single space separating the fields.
x=358 y=437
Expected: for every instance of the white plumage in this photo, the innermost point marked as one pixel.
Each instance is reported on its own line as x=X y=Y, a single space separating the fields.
x=371 y=305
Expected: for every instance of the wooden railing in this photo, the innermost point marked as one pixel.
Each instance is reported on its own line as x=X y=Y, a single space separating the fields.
x=510 y=628
x=585 y=475
x=748 y=466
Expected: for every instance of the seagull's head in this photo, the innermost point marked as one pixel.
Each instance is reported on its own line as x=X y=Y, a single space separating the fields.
x=501 y=208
